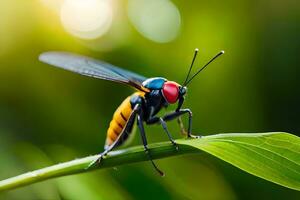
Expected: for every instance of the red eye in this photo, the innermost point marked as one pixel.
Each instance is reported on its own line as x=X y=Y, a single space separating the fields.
x=170 y=91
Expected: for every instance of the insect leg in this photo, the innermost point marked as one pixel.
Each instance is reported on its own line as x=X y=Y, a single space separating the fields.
x=155 y=120
x=178 y=113
x=144 y=139
x=182 y=129
x=164 y=125
x=120 y=137
x=99 y=159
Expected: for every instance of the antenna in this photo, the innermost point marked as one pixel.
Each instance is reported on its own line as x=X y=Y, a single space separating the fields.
x=216 y=56
x=194 y=58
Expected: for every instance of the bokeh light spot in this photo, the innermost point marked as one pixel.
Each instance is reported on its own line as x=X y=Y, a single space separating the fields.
x=86 y=19
x=157 y=20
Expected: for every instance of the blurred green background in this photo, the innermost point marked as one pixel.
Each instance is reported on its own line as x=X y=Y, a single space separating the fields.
x=48 y=115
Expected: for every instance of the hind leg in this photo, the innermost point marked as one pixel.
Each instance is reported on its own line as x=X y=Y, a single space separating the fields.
x=101 y=155
x=118 y=140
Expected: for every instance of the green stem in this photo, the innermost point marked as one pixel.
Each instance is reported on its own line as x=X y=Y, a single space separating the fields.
x=114 y=158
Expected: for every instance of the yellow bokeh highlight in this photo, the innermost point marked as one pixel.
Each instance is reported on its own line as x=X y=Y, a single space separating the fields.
x=86 y=19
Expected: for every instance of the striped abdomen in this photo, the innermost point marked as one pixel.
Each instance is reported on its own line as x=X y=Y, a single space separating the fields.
x=119 y=121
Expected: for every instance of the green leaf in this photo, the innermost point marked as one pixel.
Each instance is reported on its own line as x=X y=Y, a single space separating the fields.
x=272 y=156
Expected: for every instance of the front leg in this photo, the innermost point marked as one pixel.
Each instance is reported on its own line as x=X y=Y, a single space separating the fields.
x=181 y=125
x=178 y=113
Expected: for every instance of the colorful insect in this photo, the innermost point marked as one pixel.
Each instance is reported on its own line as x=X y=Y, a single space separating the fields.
x=153 y=94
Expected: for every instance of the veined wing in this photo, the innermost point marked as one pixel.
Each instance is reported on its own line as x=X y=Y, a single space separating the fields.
x=93 y=68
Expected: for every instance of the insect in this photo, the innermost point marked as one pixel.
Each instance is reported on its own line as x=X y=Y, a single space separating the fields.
x=151 y=96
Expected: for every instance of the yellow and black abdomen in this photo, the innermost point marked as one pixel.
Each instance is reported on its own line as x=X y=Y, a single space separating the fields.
x=119 y=120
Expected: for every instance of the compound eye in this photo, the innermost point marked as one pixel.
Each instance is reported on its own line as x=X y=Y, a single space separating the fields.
x=170 y=91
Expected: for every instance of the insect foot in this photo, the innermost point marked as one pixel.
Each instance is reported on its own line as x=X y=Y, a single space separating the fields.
x=175 y=145
x=96 y=161
x=194 y=136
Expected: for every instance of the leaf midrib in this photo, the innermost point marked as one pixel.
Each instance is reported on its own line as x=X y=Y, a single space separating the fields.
x=246 y=144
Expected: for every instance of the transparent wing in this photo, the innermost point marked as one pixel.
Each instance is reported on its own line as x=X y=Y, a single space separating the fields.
x=91 y=67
